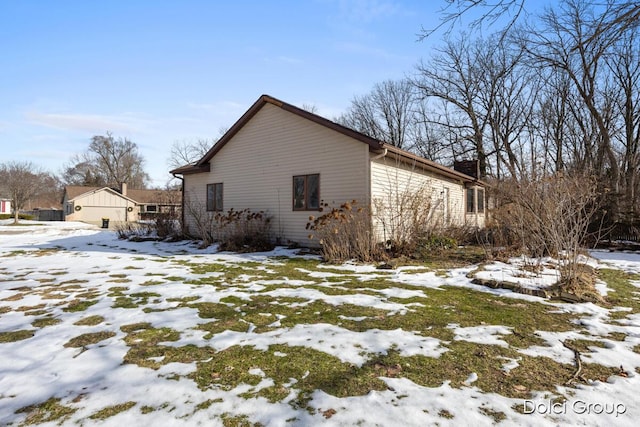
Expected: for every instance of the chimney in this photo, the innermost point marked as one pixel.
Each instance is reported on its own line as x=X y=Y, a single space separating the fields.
x=468 y=167
x=123 y=188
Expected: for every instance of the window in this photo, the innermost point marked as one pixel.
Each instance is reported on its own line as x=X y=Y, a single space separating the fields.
x=475 y=200
x=480 y=199
x=471 y=203
x=214 y=197
x=306 y=192
x=151 y=208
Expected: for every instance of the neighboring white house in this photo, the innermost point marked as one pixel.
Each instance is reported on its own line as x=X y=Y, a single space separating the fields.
x=93 y=204
x=286 y=161
x=5 y=206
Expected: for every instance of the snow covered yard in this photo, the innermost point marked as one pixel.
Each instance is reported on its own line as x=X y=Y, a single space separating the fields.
x=99 y=331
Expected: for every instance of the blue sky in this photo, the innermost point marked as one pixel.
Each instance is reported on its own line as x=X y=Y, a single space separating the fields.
x=160 y=71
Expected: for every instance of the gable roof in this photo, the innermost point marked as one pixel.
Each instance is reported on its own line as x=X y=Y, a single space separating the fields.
x=155 y=197
x=375 y=145
x=76 y=191
x=136 y=196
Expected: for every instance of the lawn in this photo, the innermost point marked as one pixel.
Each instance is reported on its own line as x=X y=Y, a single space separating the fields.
x=95 y=330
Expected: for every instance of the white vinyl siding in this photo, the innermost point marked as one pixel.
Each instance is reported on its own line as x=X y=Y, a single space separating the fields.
x=391 y=180
x=258 y=164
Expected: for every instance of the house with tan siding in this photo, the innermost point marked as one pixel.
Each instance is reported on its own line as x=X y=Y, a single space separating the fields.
x=93 y=204
x=288 y=162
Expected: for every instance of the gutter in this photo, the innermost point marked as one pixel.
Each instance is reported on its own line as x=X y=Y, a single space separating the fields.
x=379 y=156
x=181 y=201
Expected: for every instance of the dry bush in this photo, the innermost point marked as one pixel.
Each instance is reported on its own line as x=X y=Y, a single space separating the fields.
x=240 y=231
x=550 y=216
x=166 y=225
x=133 y=230
x=406 y=217
x=344 y=233
x=244 y=231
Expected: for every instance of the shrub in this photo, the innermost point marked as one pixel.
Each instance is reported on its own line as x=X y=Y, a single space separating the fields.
x=550 y=216
x=344 y=233
x=244 y=231
x=166 y=226
x=239 y=231
x=20 y=216
x=134 y=230
x=405 y=216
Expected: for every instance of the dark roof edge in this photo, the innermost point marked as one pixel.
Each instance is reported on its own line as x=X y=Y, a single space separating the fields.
x=375 y=145
x=190 y=169
x=266 y=99
x=430 y=164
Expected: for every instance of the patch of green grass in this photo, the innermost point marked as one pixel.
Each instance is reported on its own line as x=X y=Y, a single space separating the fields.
x=152 y=283
x=90 y=321
x=625 y=295
x=36 y=312
x=229 y=420
x=445 y=414
x=79 y=305
x=13 y=336
x=89 y=338
x=117 y=291
x=147 y=409
x=15 y=297
x=45 y=321
x=133 y=300
x=465 y=358
x=146 y=351
x=45 y=412
x=175 y=278
x=497 y=416
x=617 y=336
x=184 y=299
x=26 y=308
x=58 y=273
x=311 y=368
x=583 y=345
x=19 y=253
x=111 y=411
x=207 y=403
x=124 y=302
x=72 y=281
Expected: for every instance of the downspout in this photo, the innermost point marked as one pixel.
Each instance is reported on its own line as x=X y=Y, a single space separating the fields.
x=381 y=155
x=182 y=201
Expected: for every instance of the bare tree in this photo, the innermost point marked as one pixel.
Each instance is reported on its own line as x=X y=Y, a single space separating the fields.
x=452 y=81
x=107 y=162
x=186 y=152
x=624 y=63
x=626 y=13
x=385 y=113
x=553 y=216
x=489 y=13
x=22 y=181
x=578 y=39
